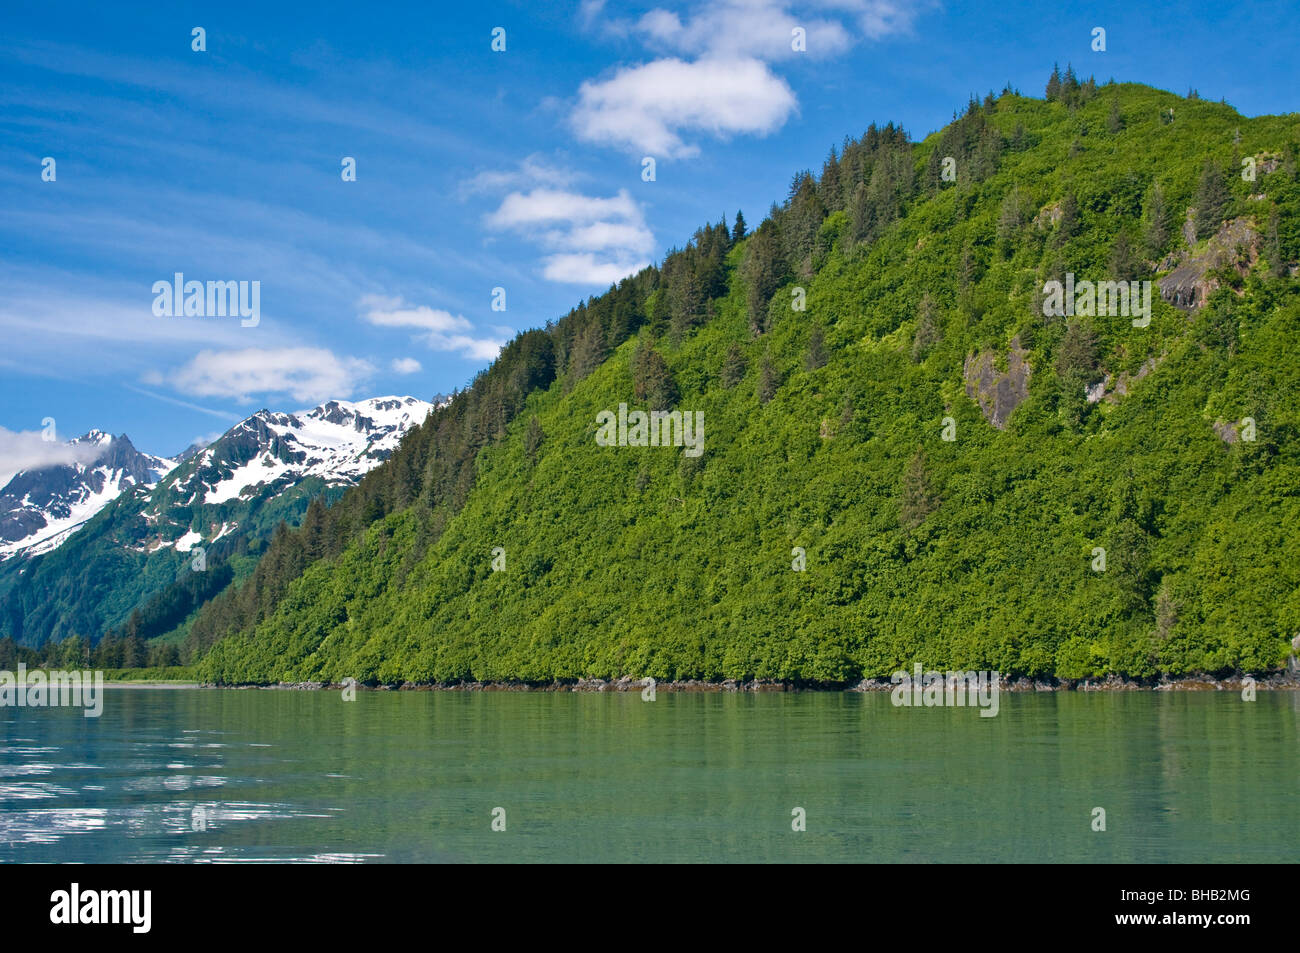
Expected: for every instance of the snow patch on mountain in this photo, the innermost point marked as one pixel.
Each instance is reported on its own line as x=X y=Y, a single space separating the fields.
x=39 y=509
x=339 y=441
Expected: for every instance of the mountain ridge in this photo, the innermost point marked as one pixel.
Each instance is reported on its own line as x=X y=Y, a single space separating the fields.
x=267 y=467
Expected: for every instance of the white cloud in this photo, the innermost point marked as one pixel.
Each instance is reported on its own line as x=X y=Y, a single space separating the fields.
x=587 y=269
x=600 y=236
x=742 y=29
x=589 y=12
x=712 y=77
x=442 y=330
x=406 y=365
x=593 y=240
x=880 y=18
x=29 y=450
x=532 y=171
x=307 y=374
x=544 y=206
x=760 y=28
x=644 y=108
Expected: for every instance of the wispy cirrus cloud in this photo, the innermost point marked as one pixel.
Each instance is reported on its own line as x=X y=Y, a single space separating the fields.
x=762 y=29
x=533 y=170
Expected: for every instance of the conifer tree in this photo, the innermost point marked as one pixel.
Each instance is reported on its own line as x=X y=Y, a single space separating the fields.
x=652 y=382
x=767 y=381
x=927 y=329
x=533 y=438
x=1158 y=224
x=1054 y=84
x=1211 y=201
x=919 y=499
x=734 y=366
x=816 y=356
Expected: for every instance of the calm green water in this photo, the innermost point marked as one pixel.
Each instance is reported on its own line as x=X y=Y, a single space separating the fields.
x=415 y=776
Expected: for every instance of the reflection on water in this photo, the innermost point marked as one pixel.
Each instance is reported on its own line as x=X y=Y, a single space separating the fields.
x=256 y=776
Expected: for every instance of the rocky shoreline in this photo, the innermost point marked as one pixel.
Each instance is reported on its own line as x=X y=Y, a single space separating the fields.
x=1288 y=680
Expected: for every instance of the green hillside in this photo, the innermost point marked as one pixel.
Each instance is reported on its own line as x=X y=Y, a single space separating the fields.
x=116 y=583
x=824 y=429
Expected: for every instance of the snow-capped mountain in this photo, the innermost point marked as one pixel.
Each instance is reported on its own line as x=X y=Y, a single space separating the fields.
x=338 y=441
x=260 y=456
x=141 y=549
x=39 y=509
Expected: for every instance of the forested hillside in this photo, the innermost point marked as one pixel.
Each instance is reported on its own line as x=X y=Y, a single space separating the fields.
x=904 y=458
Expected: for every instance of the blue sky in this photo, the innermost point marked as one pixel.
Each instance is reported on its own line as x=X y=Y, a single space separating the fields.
x=476 y=169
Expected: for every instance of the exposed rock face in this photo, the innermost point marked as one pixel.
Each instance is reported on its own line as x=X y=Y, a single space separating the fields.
x=1235 y=245
x=1048 y=216
x=1227 y=431
x=1189 y=228
x=998 y=393
x=1112 y=388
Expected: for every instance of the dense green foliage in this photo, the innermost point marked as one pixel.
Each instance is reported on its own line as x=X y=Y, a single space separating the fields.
x=824 y=431
x=113 y=579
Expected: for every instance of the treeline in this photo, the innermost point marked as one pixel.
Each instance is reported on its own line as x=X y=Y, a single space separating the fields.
x=1075 y=537
x=432 y=471
x=953 y=265
x=75 y=652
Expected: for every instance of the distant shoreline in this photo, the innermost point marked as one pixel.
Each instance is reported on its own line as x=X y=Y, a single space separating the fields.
x=1274 y=681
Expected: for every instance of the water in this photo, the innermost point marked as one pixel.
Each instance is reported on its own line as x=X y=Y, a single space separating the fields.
x=415 y=776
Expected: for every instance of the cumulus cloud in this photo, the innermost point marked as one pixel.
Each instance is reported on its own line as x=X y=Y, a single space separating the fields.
x=645 y=108
x=439 y=329
x=713 y=77
x=591 y=239
x=406 y=365
x=29 y=450
x=307 y=374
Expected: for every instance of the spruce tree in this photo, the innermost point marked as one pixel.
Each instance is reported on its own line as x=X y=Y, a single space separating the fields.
x=763 y=270
x=1211 y=200
x=1054 y=83
x=767 y=381
x=1123 y=258
x=533 y=438
x=919 y=499
x=817 y=355
x=734 y=366
x=927 y=329
x=1158 y=224
x=652 y=382
x=1114 y=122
